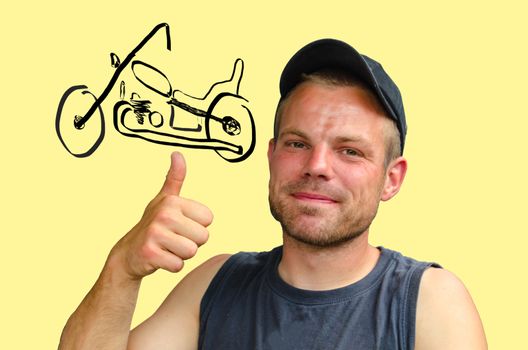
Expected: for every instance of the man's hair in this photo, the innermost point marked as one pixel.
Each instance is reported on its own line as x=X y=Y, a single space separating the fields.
x=338 y=78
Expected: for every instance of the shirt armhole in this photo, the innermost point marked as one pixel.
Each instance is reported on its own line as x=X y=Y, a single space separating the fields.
x=215 y=289
x=408 y=321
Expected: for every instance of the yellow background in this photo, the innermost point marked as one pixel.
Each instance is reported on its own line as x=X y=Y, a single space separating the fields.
x=462 y=69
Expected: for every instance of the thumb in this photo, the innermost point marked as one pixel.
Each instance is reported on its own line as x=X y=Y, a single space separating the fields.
x=175 y=176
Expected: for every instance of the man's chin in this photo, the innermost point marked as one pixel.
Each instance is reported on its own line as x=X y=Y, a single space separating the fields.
x=320 y=241
x=313 y=225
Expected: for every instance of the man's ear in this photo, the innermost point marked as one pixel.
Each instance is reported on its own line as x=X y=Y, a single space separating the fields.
x=395 y=174
x=271 y=147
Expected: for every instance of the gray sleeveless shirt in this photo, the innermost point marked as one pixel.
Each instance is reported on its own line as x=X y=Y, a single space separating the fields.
x=248 y=306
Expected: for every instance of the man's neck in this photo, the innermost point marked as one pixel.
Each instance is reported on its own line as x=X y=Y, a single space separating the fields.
x=314 y=268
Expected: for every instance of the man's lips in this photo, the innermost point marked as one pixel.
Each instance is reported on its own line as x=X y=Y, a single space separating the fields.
x=313 y=197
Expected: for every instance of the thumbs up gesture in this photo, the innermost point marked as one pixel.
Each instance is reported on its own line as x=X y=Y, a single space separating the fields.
x=169 y=232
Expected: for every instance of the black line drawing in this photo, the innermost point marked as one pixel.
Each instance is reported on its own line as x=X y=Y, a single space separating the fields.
x=220 y=120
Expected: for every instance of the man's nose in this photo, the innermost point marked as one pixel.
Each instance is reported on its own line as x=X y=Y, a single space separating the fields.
x=319 y=163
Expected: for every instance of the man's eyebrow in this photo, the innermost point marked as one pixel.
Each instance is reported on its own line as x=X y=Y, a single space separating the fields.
x=355 y=139
x=340 y=139
x=295 y=132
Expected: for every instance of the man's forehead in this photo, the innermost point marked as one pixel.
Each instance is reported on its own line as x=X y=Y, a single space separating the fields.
x=357 y=96
x=323 y=102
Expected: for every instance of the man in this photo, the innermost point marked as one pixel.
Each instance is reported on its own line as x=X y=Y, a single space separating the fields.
x=337 y=151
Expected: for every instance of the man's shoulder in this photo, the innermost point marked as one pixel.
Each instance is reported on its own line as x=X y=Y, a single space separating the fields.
x=246 y=263
x=401 y=264
x=446 y=316
x=260 y=257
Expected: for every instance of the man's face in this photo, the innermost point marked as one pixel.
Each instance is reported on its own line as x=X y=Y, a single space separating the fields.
x=327 y=171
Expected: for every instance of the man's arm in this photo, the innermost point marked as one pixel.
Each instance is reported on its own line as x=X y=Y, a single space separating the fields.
x=169 y=232
x=176 y=324
x=102 y=320
x=446 y=317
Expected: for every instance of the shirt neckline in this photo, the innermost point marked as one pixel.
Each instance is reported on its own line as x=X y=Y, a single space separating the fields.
x=303 y=296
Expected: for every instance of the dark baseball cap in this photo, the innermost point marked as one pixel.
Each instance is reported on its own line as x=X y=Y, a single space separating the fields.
x=332 y=53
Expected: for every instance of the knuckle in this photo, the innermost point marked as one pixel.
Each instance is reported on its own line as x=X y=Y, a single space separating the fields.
x=171 y=201
x=153 y=232
x=164 y=216
x=202 y=236
x=189 y=250
x=148 y=251
x=204 y=215
x=208 y=217
x=176 y=266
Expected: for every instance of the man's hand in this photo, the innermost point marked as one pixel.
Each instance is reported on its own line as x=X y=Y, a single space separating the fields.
x=170 y=231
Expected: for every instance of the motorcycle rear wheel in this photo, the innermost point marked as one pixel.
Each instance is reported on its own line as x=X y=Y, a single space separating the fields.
x=79 y=141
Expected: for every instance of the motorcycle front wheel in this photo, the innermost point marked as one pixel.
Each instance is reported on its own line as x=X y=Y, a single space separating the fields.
x=230 y=120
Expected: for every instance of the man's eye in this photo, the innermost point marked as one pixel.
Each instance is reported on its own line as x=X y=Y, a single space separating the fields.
x=296 y=144
x=350 y=152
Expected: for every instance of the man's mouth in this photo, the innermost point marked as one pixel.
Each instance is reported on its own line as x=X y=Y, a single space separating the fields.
x=313 y=197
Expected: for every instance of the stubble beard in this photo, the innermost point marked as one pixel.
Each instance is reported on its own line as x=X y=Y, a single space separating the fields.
x=330 y=232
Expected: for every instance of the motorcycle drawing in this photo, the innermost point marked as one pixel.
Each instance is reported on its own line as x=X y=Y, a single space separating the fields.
x=220 y=120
